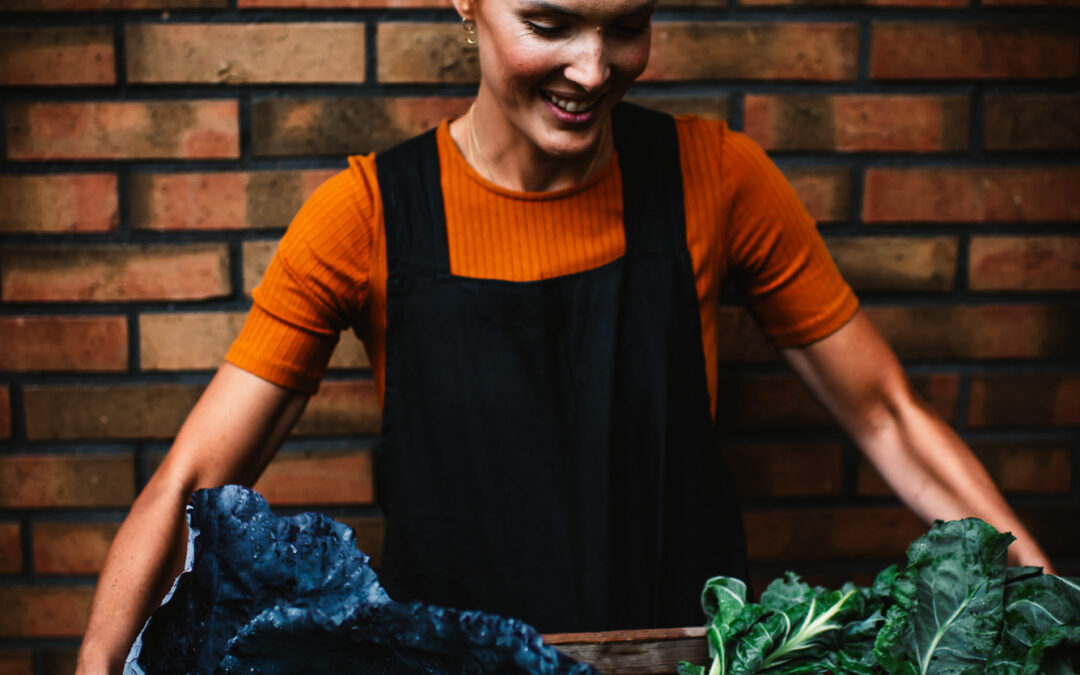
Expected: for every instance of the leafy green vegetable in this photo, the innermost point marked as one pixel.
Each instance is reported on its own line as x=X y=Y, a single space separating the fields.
x=955 y=608
x=956 y=573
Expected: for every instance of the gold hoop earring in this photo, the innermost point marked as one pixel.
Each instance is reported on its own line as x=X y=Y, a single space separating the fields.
x=470 y=31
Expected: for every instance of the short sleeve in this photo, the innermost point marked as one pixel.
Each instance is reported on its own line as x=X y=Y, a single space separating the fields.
x=778 y=259
x=313 y=288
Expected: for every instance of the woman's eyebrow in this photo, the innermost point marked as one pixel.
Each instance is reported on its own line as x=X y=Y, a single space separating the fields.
x=546 y=6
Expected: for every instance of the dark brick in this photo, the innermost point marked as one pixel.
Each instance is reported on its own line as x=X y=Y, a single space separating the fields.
x=1025 y=400
x=858 y=122
x=74 y=412
x=896 y=263
x=933 y=50
x=344 y=126
x=786 y=469
x=56 y=481
x=753 y=51
x=1033 y=122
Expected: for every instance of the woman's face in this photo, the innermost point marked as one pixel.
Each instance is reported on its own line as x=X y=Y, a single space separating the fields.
x=556 y=68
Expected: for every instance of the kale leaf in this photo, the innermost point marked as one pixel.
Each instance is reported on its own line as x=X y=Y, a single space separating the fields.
x=276 y=595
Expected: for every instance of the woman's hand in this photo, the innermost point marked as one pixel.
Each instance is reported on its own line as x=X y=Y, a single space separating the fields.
x=855 y=374
x=229 y=437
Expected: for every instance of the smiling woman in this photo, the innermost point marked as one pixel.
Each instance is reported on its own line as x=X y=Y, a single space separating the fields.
x=551 y=75
x=538 y=286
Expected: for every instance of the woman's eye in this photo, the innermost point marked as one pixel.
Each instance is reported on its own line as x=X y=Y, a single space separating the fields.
x=632 y=30
x=544 y=29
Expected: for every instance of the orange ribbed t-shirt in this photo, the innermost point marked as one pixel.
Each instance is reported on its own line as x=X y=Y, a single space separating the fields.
x=743 y=221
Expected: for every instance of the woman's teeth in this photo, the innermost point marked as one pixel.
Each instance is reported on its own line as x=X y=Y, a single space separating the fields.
x=571 y=106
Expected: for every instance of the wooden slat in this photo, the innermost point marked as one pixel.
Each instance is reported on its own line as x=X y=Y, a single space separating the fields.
x=634 y=652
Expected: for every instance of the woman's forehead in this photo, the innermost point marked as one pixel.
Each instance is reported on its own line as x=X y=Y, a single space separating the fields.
x=584 y=9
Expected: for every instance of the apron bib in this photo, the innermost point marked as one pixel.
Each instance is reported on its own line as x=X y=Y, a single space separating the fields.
x=548 y=451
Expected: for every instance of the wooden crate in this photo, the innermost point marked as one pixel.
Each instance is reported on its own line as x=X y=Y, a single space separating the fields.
x=635 y=652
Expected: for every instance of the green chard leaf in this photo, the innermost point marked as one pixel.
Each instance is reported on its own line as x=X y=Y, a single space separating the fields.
x=947 y=617
x=1042 y=624
x=786 y=640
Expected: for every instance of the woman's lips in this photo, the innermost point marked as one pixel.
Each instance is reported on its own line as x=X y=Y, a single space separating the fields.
x=579 y=112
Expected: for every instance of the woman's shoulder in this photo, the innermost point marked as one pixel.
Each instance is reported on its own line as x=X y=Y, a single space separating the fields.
x=336 y=221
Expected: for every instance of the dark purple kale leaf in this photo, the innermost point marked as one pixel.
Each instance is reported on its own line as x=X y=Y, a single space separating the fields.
x=269 y=594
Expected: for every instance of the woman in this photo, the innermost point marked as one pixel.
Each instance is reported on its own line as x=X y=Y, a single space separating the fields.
x=537 y=283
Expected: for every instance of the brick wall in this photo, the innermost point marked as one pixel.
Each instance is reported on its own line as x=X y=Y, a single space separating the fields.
x=154 y=150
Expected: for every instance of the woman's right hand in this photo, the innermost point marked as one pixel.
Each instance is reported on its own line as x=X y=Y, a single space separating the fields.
x=229 y=437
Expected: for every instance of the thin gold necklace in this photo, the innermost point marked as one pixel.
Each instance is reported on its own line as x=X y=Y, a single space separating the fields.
x=491 y=177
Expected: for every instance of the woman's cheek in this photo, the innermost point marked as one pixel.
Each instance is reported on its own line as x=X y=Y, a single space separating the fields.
x=637 y=58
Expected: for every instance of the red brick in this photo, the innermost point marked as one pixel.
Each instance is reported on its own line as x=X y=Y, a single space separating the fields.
x=782 y=402
x=71 y=548
x=979 y=332
x=425 y=52
x=820 y=534
x=824 y=191
x=341 y=4
x=344 y=126
x=896 y=263
x=858 y=122
x=257 y=257
x=106 y=5
x=16 y=662
x=44 y=611
x=318 y=478
x=72 y=412
x=936 y=332
x=1015 y=467
x=10 y=550
x=1033 y=122
x=1024 y=264
x=369 y=532
x=114 y=273
x=925 y=50
x=1025 y=400
x=740 y=339
x=753 y=51
x=60 y=661
x=857 y=3
x=1031 y=3
x=221 y=200
x=58 y=203
x=5 y=412
x=74 y=343
x=199 y=341
x=124 y=130
x=245 y=53
x=57 y=481
x=786 y=469
x=976 y=195
x=56 y=56
x=1045 y=522
x=340 y=408
x=709 y=107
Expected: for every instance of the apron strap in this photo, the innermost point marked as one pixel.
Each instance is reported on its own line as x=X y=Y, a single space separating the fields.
x=653 y=212
x=416 y=243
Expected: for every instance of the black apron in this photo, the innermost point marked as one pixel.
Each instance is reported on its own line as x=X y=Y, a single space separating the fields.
x=548 y=451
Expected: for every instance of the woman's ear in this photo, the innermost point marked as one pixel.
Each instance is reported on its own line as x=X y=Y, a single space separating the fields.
x=464 y=8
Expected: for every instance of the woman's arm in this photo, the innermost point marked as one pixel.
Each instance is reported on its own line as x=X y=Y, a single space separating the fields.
x=855 y=374
x=229 y=437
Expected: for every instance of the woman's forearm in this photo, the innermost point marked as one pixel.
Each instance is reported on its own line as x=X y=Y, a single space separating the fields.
x=934 y=472
x=859 y=379
x=229 y=437
x=144 y=559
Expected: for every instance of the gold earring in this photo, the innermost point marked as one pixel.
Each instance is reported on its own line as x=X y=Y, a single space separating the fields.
x=470 y=31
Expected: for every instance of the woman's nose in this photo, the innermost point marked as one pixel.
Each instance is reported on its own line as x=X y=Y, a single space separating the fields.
x=589 y=68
